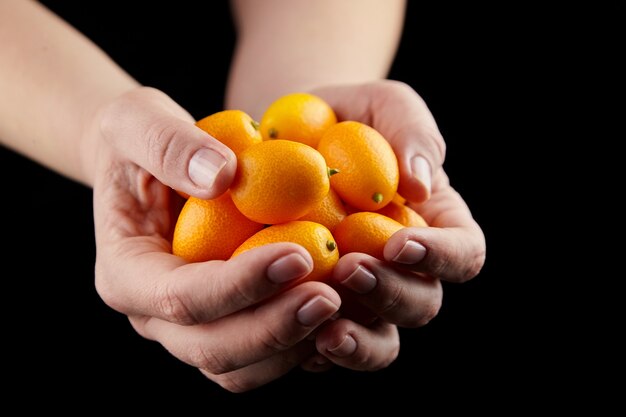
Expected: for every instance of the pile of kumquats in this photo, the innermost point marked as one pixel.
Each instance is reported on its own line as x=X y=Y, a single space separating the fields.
x=301 y=177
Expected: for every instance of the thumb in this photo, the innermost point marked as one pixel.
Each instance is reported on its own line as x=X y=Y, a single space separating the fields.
x=402 y=117
x=415 y=138
x=153 y=131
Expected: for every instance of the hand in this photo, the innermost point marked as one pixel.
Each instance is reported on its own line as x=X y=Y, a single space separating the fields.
x=404 y=289
x=217 y=315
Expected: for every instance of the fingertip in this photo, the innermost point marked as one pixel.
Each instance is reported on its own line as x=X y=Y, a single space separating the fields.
x=335 y=340
x=310 y=290
x=269 y=253
x=316 y=310
x=414 y=191
x=211 y=170
x=317 y=363
x=344 y=348
x=289 y=267
x=404 y=247
x=358 y=347
x=421 y=170
x=416 y=182
x=410 y=253
x=281 y=263
x=344 y=267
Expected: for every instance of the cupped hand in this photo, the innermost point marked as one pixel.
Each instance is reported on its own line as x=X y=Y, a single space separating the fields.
x=230 y=318
x=405 y=288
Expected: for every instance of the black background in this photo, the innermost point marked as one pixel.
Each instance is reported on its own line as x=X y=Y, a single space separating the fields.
x=491 y=77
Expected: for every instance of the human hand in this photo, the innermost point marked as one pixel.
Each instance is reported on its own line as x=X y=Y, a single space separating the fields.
x=227 y=318
x=404 y=289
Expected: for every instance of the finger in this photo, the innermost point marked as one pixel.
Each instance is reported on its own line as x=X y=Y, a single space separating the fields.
x=357 y=347
x=260 y=373
x=248 y=336
x=145 y=281
x=398 y=296
x=453 y=250
x=415 y=139
x=155 y=133
x=403 y=118
x=316 y=363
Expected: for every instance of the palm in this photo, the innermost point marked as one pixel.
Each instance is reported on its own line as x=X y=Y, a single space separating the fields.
x=132 y=203
x=134 y=216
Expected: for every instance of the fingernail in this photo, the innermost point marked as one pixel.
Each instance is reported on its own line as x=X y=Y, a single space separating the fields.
x=411 y=253
x=346 y=348
x=421 y=171
x=361 y=280
x=288 y=267
x=204 y=167
x=315 y=311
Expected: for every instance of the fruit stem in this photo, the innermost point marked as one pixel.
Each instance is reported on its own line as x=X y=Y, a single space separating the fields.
x=377 y=197
x=332 y=171
x=331 y=245
x=273 y=133
x=255 y=124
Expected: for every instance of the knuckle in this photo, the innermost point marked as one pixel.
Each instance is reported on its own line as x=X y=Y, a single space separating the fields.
x=211 y=361
x=241 y=293
x=275 y=341
x=161 y=145
x=473 y=267
x=429 y=140
x=404 y=88
x=389 y=358
x=393 y=301
x=397 y=91
x=439 y=144
x=440 y=264
x=419 y=312
x=428 y=313
x=172 y=307
x=398 y=87
x=105 y=290
x=430 y=135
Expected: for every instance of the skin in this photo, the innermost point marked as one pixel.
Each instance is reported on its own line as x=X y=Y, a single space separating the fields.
x=133 y=144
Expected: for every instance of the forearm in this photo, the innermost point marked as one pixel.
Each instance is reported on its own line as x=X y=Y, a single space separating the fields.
x=286 y=46
x=52 y=80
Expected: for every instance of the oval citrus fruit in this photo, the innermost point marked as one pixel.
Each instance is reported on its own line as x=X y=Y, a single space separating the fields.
x=234 y=128
x=210 y=229
x=300 y=117
x=314 y=237
x=365 y=232
x=398 y=199
x=329 y=213
x=368 y=169
x=278 y=181
x=403 y=214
